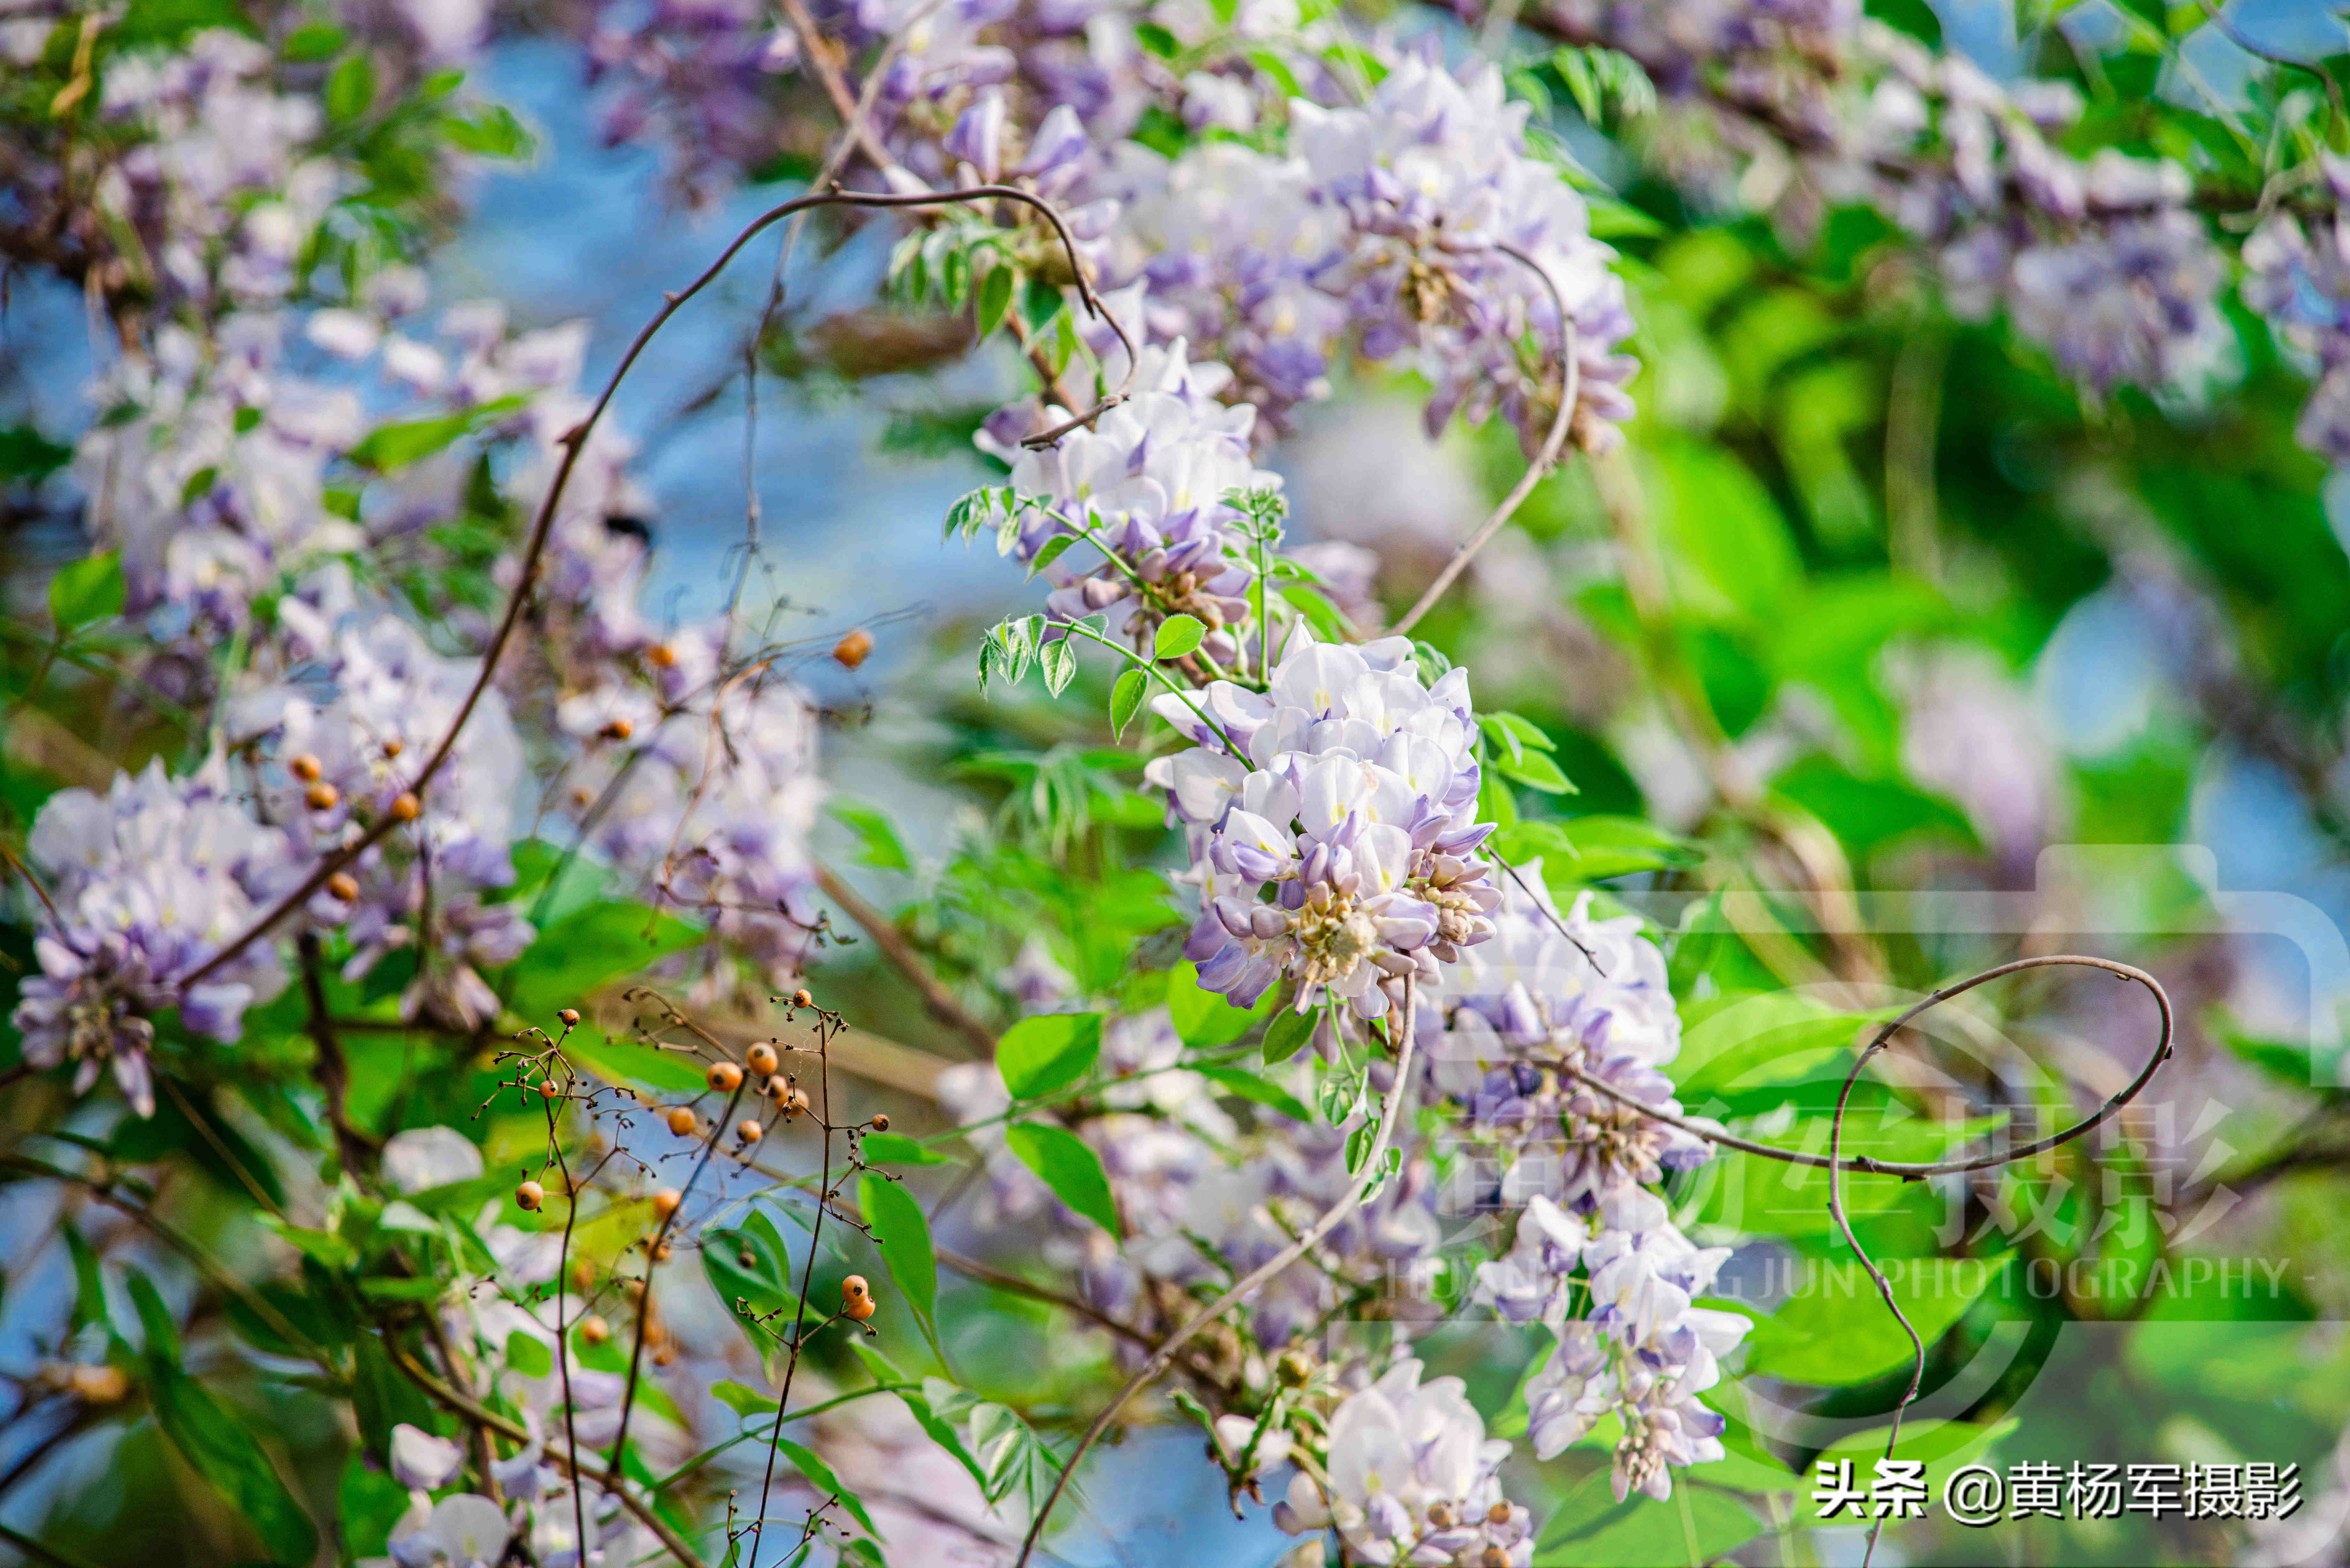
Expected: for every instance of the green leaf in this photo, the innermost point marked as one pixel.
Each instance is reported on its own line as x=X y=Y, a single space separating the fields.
x=219 y=1444
x=1836 y=1331
x=155 y=1322
x=1068 y=1167
x=389 y=447
x=1126 y=700
x=87 y=590
x=1178 y=635
x=1207 y=1019
x=1592 y=848
x=904 y=1237
x=741 y=1398
x=27 y=453
x=1288 y=1035
x=350 y=91
x=1592 y=1529
x=319 y=41
x=1059 y=661
x=528 y=1355
x=577 y=956
x=90 y=1286
x=1320 y=612
x=995 y=298
x=493 y=132
x=1046 y=1053
x=883 y=847
x=1263 y=1091
x=820 y=1474
x=894 y=1149
x=1055 y=548
x=1536 y=770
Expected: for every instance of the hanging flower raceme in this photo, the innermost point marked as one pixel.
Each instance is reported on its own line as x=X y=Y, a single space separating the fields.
x=147 y=882
x=1411 y=1479
x=2300 y=279
x=1146 y=489
x=1552 y=992
x=1644 y=1354
x=1333 y=824
x=1436 y=186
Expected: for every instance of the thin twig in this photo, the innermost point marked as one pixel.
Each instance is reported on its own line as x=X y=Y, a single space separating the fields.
x=1570 y=388
x=1280 y=1261
x=575 y=441
x=900 y=952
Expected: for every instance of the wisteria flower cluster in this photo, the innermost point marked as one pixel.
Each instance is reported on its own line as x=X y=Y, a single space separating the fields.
x=146 y=883
x=1333 y=824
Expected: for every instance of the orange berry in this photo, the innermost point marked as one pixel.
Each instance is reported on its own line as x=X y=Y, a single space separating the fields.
x=304 y=767
x=406 y=807
x=725 y=1078
x=851 y=650
x=660 y=656
x=343 y=886
x=570 y=1016
x=547 y=1091
x=594 y=1330
x=393 y=745
x=682 y=1121
x=666 y=1200
x=617 y=730
x=880 y=1124
x=661 y=1253
x=802 y=999
x=530 y=1195
x=761 y=1059
x=322 y=796
x=751 y=1131
x=98 y=1384
x=856 y=1298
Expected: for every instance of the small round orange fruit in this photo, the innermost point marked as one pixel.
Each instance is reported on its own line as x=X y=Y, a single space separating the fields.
x=304 y=767
x=666 y=1200
x=406 y=807
x=852 y=650
x=570 y=1016
x=661 y=656
x=802 y=999
x=547 y=1091
x=751 y=1131
x=882 y=1124
x=761 y=1059
x=856 y=1298
x=725 y=1078
x=393 y=745
x=343 y=886
x=530 y=1195
x=322 y=797
x=594 y=1330
x=682 y=1121
x=617 y=730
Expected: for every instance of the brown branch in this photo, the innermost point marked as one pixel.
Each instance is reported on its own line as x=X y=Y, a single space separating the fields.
x=575 y=441
x=353 y=1147
x=900 y=952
